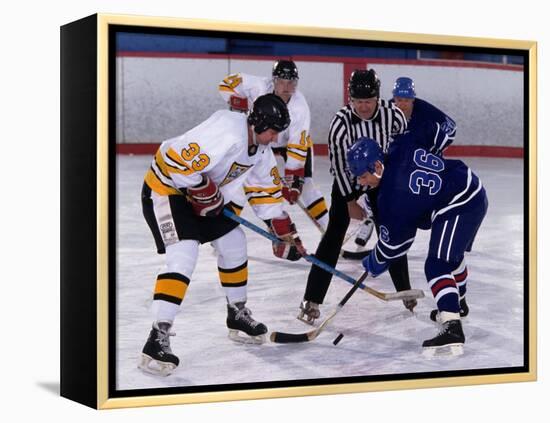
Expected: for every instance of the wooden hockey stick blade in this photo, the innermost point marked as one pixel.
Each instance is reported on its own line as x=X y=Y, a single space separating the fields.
x=288 y=338
x=355 y=255
x=409 y=294
x=282 y=337
x=294 y=338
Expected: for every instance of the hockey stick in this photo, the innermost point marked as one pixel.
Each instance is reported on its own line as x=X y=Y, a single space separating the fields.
x=354 y=255
x=288 y=338
x=385 y=296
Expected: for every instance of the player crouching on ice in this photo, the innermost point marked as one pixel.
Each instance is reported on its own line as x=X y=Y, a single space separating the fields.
x=191 y=179
x=419 y=190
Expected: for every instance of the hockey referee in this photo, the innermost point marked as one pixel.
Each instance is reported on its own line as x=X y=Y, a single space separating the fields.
x=366 y=115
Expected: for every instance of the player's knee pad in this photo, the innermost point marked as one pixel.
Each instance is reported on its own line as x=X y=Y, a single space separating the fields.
x=231 y=249
x=182 y=256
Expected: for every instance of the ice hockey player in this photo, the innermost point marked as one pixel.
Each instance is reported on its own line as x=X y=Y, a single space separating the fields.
x=420 y=190
x=420 y=113
x=294 y=144
x=191 y=179
x=365 y=115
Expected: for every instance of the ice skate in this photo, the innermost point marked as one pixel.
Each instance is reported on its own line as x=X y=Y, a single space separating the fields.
x=309 y=311
x=464 y=310
x=449 y=341
x=242 y=327
x=156 y=356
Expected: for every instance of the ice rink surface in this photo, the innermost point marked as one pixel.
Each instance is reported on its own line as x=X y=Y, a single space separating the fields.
x=380 y=338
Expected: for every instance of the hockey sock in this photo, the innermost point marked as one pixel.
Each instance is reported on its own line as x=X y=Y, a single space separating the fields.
x=461 y=276
x=234 y=281
x=442 y=284
x=170 y=290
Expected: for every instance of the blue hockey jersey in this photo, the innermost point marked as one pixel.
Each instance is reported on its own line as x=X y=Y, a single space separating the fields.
x=425 y=113
x=417 y=187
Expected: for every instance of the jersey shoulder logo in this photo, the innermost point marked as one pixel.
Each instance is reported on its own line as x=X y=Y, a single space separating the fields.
x=384 y=234
x=449 y=125
x=234 y=172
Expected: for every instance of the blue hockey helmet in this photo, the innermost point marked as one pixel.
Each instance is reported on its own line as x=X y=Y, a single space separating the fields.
x=404 y=87
x=363 y=155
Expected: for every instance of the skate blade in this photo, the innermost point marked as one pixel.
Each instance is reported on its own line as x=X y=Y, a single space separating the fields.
x=243 y=338
x=306 y=319
x=450 y=350
x=154 y=367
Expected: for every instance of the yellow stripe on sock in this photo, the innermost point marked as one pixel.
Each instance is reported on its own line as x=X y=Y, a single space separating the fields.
x=237 y=277
x=318 y=209
x=172 y=287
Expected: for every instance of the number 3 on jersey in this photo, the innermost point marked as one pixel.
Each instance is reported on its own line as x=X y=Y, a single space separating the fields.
x=189 y=154
x=427 y=176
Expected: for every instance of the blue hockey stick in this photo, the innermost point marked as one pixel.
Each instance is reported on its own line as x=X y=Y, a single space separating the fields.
x=386 y=296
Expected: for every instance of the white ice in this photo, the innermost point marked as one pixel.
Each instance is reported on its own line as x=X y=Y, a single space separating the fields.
x=380 y=338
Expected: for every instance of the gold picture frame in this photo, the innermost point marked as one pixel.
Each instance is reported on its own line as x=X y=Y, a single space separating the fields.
x=88 y=205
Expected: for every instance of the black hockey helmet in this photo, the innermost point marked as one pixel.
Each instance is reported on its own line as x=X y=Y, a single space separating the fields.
x=364 y=83
x=269 y=112
x=285 y=69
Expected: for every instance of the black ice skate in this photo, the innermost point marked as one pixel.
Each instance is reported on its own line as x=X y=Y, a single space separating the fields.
x=240 y=323
x=309 y=311
x=464 y=310
x=157 y=357
x=449 y=341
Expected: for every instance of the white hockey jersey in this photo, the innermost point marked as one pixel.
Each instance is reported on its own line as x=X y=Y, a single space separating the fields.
x=218 y=148
x=296 y=137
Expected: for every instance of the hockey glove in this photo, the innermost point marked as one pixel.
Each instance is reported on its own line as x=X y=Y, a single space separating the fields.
x=293 y=184
x=205 y=198
x=373 y=266
x=290 y=247
x=239 y=104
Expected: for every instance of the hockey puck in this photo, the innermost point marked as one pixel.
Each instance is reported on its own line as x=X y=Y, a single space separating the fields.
x=338 y=339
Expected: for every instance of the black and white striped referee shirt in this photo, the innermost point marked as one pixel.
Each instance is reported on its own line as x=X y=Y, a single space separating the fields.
x=346 y=127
